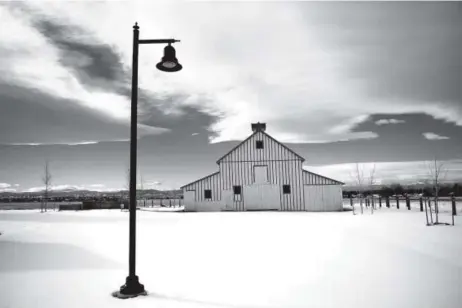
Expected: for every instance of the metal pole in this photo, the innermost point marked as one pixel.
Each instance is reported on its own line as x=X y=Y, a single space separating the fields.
x=132 y=285
x=133 y=148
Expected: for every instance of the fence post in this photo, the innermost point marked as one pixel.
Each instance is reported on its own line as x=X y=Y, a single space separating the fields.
x=397 y=202
x=408 y=203
x=373 y=203
x=430 y=208
x=454 y=210
x=351 y=201
x=170 y=202
x=387 y=201
x=426 y=210
x=380 y=202
x=421 y=204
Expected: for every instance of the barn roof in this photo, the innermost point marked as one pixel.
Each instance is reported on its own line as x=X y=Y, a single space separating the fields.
x=267 y=135
x=324 y=177
x=205 y=177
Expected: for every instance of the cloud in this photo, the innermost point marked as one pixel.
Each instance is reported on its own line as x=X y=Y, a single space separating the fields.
x=97 y=185
x=4 y=185
x=433 y=136
x=312 y=71
x=389 y=172
x=52 y=120
x=151 y=184
x=388 y=121
x=71 y=70
x=68 y=187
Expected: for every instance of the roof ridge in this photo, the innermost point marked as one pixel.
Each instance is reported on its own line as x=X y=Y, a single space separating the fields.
x=267 y=135
x=238 y=145
x=283 y=145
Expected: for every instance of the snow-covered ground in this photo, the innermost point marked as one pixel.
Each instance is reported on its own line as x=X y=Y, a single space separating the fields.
x=273 y=259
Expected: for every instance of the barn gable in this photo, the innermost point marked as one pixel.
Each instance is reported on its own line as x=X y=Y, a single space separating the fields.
x=310 y=178
x=271 y=150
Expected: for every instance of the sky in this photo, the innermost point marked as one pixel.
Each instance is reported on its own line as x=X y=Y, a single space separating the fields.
x=340 y=83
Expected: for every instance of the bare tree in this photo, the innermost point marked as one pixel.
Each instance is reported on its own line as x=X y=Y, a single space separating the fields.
x=371 y=183
x=358 y=178
x=126 y=187
x=437 y=173
x=46 y=180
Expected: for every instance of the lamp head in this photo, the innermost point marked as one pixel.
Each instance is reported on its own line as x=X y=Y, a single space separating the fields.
x=169 y=62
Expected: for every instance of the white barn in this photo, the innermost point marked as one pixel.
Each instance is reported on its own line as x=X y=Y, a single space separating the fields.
x=262 y=174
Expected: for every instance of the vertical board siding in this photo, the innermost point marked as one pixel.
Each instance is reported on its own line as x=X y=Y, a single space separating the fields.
x=279 y=172
x=284 y=167
x=323 y=198
x=247 y=151
x=211 y=182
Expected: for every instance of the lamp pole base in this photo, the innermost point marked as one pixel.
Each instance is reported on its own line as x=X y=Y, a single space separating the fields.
x=131 y=288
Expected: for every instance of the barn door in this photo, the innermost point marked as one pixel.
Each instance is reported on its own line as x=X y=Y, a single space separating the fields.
x=252 y=197
x=190 y=200
x=270 y=196
x=261 y=197
x=227 y=197
x=260 y=174
x=313 y=198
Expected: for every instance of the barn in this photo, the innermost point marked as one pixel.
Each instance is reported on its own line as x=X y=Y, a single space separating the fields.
x=262 y=174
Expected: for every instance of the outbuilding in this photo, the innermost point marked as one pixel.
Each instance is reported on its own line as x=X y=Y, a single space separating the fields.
x=262 y=174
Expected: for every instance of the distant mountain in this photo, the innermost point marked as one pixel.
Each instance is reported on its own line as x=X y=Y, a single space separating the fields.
x=72 y=192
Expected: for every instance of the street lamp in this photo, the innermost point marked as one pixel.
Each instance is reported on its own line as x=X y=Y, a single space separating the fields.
x=169 y=63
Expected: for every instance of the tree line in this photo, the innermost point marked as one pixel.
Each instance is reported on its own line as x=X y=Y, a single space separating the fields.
x=444 y=190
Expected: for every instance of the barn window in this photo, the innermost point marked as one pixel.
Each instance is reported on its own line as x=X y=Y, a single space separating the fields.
x=208 y=194
x=237 y=193
x=286 y=189
x=259 y=144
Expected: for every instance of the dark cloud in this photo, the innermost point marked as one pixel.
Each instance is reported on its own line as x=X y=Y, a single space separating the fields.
x=410 y=51
x=95 y=63
x=171 y=112
x=31 y=116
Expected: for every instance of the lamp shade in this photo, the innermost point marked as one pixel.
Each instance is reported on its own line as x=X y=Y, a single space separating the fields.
x=169 y=62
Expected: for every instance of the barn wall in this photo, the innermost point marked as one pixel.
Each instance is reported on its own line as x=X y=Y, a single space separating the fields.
x=279 y=172
x=323 y=198
x=210 y=182
x=199 y=203
x=284 y=167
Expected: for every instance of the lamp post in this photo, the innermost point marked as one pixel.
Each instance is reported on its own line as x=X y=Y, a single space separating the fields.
x=169 y=63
